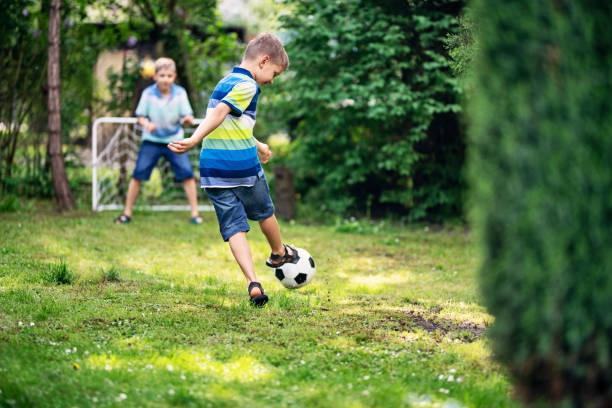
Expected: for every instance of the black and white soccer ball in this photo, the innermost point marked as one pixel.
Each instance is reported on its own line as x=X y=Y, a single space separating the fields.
x=298 y=273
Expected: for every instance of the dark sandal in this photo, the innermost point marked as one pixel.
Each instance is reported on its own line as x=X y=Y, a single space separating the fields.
x=122 y=219
x=290 y=256
x=258 y=300
x=197 y=220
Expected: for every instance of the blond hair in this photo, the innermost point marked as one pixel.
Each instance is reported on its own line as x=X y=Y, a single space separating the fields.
x=267 y=44
x=164 y=63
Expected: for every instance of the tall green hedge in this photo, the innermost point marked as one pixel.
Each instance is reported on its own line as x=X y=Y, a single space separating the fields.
x=541 y=172
x=373 y=105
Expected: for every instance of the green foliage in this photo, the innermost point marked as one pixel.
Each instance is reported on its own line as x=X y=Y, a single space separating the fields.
x=188 y=31
x=9 y=203
x=367 y=83
x=59 y=274
x=540 y=170
x=23 y=61
x=461 y=45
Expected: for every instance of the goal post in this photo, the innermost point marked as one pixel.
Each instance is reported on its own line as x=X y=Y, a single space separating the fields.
x=114 y=151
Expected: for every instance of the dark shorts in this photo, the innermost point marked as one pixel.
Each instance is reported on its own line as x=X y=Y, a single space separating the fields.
x=234 y=205
x=150 y=153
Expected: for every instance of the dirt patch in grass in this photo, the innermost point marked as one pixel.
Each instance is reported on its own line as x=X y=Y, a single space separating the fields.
x=465 y=331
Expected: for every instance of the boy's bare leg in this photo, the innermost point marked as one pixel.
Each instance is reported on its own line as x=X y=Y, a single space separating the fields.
x=242 y=253
x=271 y=230
x=189 y=186
x=132 y=196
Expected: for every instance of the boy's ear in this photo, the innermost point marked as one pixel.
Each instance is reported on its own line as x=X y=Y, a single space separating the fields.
x=263 y=59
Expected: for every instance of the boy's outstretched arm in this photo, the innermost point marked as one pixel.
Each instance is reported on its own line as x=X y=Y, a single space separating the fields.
x=210 y=123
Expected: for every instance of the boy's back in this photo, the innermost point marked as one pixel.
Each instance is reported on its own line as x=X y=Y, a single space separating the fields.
x=229 y=153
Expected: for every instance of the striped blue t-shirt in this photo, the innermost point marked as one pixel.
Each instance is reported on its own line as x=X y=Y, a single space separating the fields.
x=229 y=153
x=164 y=112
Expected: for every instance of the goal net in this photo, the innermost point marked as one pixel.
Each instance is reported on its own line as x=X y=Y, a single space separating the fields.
x=115 y=145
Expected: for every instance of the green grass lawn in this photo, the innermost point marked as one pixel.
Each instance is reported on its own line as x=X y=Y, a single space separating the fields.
x=155 y=313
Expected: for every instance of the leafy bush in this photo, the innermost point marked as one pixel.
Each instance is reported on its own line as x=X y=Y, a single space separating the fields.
x=9 y=203
x=372 y=101
x=540 y=170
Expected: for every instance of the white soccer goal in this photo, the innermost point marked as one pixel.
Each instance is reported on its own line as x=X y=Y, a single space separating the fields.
x=118 y=141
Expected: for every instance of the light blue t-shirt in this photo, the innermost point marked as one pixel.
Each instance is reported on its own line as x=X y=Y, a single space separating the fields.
x=165 y=112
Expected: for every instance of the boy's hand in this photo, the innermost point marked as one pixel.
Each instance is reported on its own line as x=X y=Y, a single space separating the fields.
x=264 y=152
x=187 y=121
x=150 y=127
x=181 y=146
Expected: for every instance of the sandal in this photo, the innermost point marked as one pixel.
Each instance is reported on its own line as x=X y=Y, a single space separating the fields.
x=258 y=300
x=290 y=256
x=197 y=220
x=122 y=219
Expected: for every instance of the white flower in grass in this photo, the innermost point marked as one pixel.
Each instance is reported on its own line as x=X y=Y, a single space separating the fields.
x=31 y=324
x=169 y=367
x=183 y=377
x=171 y=391
x=452 y=371
x=459 y=380
x=20 y=323
x=68 y=351
x=441 y=377
x=149 y=367
x=443 y=390
x=302 y=362
x=108 y=367
x=451 y=378
x=366 y=377
x=121 y=397
x=366 y=392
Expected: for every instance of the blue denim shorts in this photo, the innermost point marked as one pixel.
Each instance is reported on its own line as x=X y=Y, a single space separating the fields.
x=234 y=205
x=150 y=153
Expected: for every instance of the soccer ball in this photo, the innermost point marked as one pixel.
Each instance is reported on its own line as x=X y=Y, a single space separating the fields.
x=298 y=273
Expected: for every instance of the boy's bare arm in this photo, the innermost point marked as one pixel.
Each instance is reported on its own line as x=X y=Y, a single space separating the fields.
x=210 y=123
x=263 y=150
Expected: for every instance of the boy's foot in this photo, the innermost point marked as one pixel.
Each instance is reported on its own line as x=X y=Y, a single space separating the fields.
x=122 y=219
x=197 y=220
x=256 y=293
x=276 y=260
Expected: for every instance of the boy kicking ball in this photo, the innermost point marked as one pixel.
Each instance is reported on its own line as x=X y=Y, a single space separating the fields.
x=230 y=167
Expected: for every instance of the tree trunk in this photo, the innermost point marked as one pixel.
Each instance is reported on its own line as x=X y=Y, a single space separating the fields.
x=58 y=171
x=284 y=193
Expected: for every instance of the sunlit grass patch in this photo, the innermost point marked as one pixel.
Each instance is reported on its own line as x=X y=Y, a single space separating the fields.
x=243 y=368
x=159 y=316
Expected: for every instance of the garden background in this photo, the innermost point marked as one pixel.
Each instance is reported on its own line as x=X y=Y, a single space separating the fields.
x=448 y=167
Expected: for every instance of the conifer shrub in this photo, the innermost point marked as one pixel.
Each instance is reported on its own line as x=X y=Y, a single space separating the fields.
x=541 y=178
